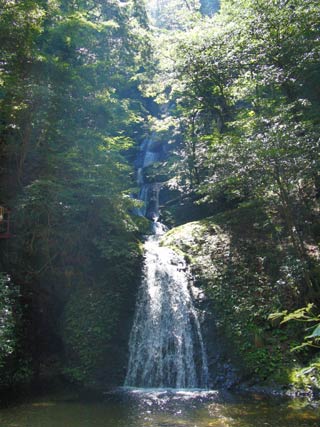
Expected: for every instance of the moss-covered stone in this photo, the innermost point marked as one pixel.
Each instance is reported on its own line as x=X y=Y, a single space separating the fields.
x=239 y=268
x=95 y=328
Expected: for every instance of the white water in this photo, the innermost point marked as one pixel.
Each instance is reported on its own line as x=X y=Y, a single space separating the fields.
x=166 y=346
x=166 y=349
x=149 y=195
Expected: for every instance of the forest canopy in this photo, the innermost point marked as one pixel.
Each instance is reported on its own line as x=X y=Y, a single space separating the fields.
x=230 y=88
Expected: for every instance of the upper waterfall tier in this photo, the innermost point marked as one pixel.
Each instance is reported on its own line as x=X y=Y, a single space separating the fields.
x=151 y=151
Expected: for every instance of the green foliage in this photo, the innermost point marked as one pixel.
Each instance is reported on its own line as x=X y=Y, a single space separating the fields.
x=304 y=315
x=237 y=265
x=307 y=377
x=95 y=321
x=15 y=366
x=90 y=318
x=243 y=94
x=8 y=318
x=239 y=95
x=174 y=14
x=71 y=116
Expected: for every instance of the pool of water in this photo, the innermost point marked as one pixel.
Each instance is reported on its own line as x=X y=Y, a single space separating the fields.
x=160 y=408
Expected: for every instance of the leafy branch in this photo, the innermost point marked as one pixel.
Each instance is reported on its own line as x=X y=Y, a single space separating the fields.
x=304 y=314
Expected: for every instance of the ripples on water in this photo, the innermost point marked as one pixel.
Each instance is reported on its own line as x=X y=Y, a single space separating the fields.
x=161 y=408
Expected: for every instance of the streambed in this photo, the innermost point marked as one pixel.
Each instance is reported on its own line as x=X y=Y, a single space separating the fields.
x=161 y=408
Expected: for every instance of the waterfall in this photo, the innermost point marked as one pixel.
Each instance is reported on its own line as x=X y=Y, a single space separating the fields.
x=166 y=348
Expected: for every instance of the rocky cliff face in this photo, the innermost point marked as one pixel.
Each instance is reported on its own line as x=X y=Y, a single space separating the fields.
x=237 y=270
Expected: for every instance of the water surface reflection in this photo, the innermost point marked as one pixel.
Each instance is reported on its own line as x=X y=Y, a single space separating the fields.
x=161 y=408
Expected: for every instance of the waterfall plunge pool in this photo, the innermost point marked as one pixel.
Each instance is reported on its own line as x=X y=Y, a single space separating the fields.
x=161 y=408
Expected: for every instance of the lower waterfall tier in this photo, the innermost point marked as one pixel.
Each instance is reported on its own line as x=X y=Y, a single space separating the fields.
x=166 y=346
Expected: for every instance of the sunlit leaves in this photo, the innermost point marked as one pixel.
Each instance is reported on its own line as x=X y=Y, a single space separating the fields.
x=174 y=14
x=71 y=109
x=305 y=315
x=235 y=73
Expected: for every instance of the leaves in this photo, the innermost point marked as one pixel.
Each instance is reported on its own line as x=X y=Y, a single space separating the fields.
x=316 y=333
x=71 y=117
x=305 y=315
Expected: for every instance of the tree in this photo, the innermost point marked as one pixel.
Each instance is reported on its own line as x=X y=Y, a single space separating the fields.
x=245 y=115
x=72 y=109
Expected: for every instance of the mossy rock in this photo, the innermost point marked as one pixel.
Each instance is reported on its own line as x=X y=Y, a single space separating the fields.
x=230 y=259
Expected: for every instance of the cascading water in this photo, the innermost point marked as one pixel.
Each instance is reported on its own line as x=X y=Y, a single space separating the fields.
x=166 y=347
